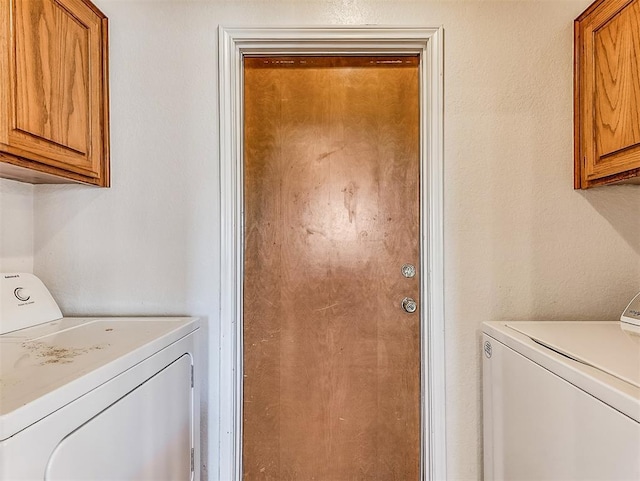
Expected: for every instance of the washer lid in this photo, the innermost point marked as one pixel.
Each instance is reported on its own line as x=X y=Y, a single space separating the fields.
x=44 y=367
x=603 y=345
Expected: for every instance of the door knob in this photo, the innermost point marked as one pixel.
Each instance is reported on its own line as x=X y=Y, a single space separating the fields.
x=409 y=305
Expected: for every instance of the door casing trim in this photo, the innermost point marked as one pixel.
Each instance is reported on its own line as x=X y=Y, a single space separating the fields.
x=234 y=43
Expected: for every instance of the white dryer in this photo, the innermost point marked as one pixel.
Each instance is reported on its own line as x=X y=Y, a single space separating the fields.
x=561 y=401
x=94 y=398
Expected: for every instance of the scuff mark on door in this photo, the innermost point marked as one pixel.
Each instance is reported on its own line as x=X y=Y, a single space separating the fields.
x=351 y=200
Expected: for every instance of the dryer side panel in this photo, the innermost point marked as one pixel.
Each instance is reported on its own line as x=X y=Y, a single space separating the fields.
x=537 y=426
x=146 y=435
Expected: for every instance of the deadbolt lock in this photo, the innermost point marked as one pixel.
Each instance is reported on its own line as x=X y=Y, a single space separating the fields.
x=409 y=305
x=408 y=270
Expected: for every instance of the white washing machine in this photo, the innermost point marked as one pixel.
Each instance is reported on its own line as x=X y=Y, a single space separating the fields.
x=561 y=401
x=94 y=398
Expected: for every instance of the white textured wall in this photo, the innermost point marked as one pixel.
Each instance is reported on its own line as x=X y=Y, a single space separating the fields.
x=520 y=243
x=16 y=226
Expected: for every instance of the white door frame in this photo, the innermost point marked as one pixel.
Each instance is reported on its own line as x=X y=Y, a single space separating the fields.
x=234 y=43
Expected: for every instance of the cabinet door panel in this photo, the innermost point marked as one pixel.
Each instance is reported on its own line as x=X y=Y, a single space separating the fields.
x=52 y=75
x=53 y=71
x=57 y=101
x=617 y=86
x=608 y=92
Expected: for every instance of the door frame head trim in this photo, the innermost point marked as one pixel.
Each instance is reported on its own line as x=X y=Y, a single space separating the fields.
x=226 y=370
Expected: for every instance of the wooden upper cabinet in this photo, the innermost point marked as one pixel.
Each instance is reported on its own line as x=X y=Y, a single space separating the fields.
x=54 y=97
x=607 y=94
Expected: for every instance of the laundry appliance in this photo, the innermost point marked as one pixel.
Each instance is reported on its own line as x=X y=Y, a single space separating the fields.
x=561 y=401
x=94 y=398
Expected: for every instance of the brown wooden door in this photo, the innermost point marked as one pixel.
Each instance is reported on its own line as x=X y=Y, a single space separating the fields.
x=331 y=189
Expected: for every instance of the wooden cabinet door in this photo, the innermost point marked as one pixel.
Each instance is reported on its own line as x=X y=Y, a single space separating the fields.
x=607 y=86
x=331 y=360
x=55 y=110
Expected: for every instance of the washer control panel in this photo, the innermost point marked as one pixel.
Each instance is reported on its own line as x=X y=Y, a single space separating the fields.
x=24 y=302
x=632 y=313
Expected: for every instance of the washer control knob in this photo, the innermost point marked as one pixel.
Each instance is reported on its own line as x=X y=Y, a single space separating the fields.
x=21 y=294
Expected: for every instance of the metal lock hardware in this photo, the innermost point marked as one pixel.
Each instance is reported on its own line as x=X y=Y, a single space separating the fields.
x=408 y=270
x=409 y=305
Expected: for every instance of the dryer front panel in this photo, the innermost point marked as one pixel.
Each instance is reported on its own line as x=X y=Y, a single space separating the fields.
x=146 y=435
x=538 y=426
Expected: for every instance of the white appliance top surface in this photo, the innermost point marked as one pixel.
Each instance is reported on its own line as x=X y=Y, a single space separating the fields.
x=603 y=345
x=599 y=357
x=44 y=367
